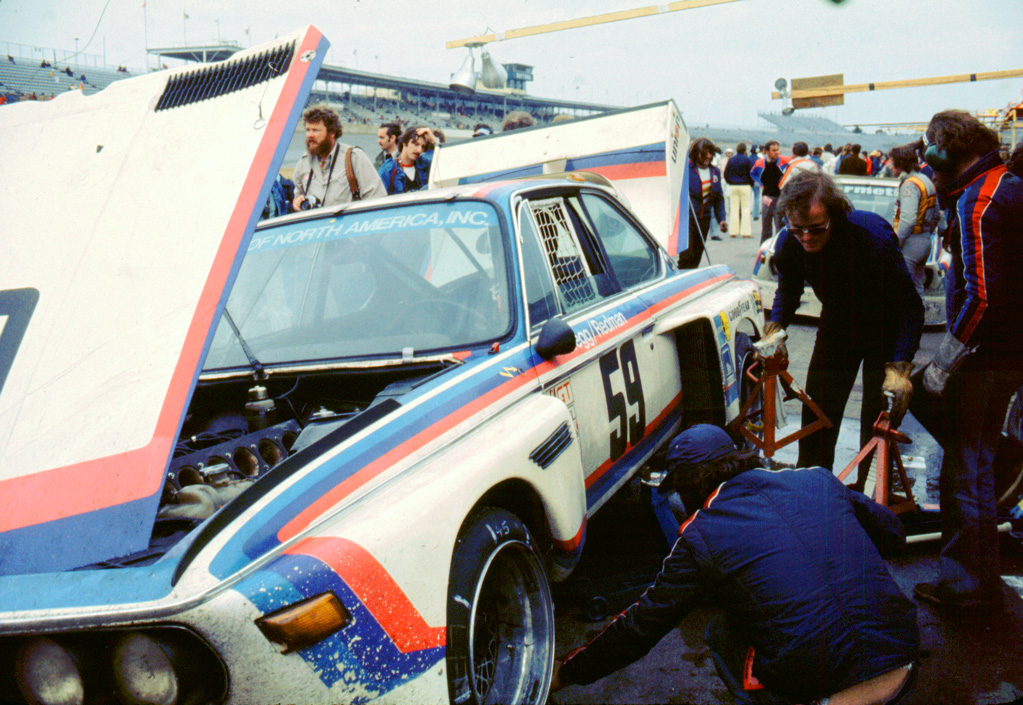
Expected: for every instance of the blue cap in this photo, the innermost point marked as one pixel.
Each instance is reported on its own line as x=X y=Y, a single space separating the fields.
x=698 y=444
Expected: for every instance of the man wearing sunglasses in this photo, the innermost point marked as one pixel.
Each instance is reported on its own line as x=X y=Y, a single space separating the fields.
x=870 y=310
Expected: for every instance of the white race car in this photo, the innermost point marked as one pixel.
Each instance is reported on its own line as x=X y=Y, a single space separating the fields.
x=878 y=196
x=337 y=457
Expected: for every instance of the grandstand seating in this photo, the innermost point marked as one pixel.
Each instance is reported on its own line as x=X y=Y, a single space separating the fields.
x=26 y=78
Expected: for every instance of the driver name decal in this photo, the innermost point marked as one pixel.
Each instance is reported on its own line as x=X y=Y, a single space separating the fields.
x=587 y=337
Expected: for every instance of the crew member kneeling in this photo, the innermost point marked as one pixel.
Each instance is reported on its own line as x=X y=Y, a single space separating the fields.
x=793 y=558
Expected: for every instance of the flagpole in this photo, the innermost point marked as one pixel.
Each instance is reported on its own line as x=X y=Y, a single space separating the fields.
x=145 y=33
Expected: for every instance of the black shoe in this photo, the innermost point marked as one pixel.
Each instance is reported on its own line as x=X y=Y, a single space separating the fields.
x=939 y=594
x=715 y=237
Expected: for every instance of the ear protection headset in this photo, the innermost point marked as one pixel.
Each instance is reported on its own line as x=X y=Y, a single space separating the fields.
x=938 y=157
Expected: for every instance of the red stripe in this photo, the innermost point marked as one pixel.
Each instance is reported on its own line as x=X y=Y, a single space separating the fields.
x=639 y=170
x=572 y=543
x=687 y=522
x=607 y=464
x=988 y=188
x=713 y=496
x=377 y=590
x=374 y=468
x=86 y=487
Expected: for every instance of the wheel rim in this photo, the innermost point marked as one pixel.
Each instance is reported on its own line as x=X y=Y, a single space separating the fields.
x=511 y=628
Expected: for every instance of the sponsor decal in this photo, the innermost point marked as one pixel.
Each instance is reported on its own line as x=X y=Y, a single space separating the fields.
x=564 y=392
x=511 y=371
x=587 y=337
x=736 y=312
x=455 y=215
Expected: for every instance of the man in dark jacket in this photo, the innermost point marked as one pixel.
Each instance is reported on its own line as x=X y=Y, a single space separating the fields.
x=740 y=192
x=767 y=172
x=979 y=365
x=870 y=311
x=853 y=164
x=411 y=170
x=793 y=560
x=705 y=198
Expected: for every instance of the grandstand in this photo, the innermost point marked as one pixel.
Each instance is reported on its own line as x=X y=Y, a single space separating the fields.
x=368 y=98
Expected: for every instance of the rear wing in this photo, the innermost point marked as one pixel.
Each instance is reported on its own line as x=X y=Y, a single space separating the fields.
x=642 y=151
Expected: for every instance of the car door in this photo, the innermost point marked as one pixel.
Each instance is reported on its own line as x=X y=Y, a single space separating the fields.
x=613 y=383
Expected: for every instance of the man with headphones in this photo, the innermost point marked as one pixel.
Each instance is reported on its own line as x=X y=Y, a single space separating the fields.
x=979 y=364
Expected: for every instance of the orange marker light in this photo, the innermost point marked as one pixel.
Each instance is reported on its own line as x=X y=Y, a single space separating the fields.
x=304 y=623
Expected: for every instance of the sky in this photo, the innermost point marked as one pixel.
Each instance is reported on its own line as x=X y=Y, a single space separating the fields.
x=718 y=63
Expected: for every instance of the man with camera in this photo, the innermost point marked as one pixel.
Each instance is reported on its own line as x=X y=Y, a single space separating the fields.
x=331 y=173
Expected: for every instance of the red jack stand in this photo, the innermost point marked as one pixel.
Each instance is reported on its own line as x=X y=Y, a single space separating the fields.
x=774 y=366
x=885 y=444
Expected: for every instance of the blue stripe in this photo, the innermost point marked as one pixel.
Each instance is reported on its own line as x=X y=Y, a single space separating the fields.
x=632 y=459
x=633 y=155
x=361 y=655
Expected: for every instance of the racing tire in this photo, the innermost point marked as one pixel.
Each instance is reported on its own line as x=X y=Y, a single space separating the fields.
x=745 y=357
x=500 y=632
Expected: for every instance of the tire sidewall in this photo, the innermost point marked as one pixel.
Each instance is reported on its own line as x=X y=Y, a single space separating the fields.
x=485 y=530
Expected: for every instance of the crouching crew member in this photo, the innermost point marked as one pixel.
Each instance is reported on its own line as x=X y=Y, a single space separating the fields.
x=870 y=310
x=793 y=560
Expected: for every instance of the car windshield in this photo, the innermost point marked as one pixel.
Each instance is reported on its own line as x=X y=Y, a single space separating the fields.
x=877 y=198
x=408 y=279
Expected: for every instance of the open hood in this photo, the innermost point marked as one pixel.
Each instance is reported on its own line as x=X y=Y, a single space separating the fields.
x=122 y=232
x=642 y=151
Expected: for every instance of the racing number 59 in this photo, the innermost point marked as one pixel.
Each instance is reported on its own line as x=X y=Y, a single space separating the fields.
x=626 y=414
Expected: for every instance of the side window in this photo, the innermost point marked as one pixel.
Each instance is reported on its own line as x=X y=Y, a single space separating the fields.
x=580 y=281
x=540 y=297
x=630 y=255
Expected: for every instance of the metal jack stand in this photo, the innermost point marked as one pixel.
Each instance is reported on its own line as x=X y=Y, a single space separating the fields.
x=889 y=459
x=774 y=365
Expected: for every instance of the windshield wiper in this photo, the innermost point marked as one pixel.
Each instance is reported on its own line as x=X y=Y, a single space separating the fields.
x=256 y=365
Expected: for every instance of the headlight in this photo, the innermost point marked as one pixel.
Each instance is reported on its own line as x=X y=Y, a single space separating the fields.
x=47 y=674
x=143 y=671
x=153 y=665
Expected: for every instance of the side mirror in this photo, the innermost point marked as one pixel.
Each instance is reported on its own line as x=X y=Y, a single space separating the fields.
x=556 y=338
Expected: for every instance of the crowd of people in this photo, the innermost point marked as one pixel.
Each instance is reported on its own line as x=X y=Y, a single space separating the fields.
x=810 y=612
x=403 y=164
x=794 y=560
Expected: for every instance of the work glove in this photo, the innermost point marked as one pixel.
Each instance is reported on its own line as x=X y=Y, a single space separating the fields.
x=950 y=356
x=897 y=383
x=771 y=328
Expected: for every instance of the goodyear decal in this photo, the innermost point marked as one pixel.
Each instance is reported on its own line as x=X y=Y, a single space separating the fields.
x=723 y=331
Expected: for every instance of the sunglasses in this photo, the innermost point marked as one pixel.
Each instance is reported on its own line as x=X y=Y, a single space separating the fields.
x=812 y=230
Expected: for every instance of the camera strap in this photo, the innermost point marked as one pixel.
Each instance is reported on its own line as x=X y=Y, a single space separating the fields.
x=353 y=183
x=330 y=174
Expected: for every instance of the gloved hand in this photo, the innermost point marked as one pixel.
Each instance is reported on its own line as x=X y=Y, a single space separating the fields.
x=770 y=328
x=896 y=381
x=947 y=360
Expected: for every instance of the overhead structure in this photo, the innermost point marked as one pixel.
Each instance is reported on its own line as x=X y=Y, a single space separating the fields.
x=494 y=77
x=585 y=22
x=819 y=91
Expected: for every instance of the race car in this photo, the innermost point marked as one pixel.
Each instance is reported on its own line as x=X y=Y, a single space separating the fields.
x=335 y=456
x=878 y=196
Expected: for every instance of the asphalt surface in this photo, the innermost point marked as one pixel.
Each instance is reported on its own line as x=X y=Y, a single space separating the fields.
x=975 y=660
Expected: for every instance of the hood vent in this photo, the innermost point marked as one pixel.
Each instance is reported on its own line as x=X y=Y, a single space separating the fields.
x=225 y=77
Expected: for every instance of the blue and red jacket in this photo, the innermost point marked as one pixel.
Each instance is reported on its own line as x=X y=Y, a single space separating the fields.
x=758 y=168
x=793 y=558
x=715 y=202
x=985 y=297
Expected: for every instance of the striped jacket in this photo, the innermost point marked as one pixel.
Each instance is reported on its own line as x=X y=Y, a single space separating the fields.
x=985 y=295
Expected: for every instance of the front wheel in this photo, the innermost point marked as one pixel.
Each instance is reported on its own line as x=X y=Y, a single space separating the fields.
x=500 y=645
